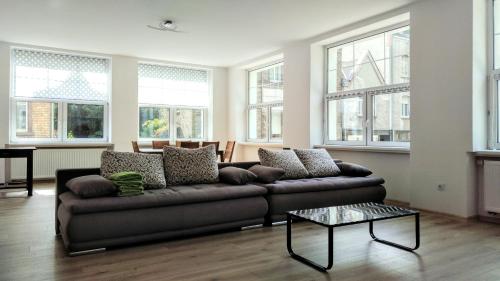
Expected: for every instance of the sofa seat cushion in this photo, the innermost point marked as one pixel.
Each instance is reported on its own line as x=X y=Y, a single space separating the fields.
x=173 y=195
x=321 y=184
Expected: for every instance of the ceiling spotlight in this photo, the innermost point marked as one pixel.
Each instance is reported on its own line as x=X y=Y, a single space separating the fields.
x=170 y=25
x=166 y=25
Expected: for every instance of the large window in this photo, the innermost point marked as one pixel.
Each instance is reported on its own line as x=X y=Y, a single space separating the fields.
x=173 y=102
x=265 y=104
x=494 y=73
x=58 y=97
x=368 y=93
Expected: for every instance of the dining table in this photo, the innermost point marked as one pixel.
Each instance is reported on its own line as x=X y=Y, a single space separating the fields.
x=19 y=152
x=160 y=151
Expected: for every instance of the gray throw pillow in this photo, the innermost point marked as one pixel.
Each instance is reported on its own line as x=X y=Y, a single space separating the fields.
x=318 y=162
x=284 y=159
x=150 y=166
x=190 y=166
x=91 y=186
x=238 y=176
x=267 y=174
x=353 y=170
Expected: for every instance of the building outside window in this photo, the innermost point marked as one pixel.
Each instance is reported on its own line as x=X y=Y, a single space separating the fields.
x=405 y=107
x=173 y=102
x=21 y=117
x=59 y=97
x=265 y=104
x=368 y=94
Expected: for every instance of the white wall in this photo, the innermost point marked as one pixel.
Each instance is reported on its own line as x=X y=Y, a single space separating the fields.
x=296 y=89
x=393 y=167
x=441 y=100
x=448 y=100
x=220 y=105
x=4 y=99
x=124 y=127
x=236 y=111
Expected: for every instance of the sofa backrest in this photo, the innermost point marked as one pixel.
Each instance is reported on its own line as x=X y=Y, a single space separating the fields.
x=242 y=165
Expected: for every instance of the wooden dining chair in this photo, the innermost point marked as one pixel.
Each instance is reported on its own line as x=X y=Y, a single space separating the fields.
x=190 y=144
x=160 y=144
x=217 y=152
x=207 y=143
x=228 y=153
x=135 y=147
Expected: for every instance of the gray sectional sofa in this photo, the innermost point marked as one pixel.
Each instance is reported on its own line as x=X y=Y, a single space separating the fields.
x=178 y=211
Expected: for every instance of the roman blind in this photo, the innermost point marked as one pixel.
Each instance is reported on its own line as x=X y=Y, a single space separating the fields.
x=46 y=75
x=173 y=86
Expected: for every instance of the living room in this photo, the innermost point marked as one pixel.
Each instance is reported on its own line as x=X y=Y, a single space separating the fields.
x=215 y=140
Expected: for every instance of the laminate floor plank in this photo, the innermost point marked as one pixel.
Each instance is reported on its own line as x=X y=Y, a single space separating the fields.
x=451 y=249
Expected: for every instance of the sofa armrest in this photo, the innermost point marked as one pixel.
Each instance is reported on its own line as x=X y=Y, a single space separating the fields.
x=62 y=177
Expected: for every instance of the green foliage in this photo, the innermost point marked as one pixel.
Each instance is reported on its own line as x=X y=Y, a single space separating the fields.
x=155 y=128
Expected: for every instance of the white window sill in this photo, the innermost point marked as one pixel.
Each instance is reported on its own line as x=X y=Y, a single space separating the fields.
x=261 y=144
x=486 y=153
x=363 y=148
x=64 y=145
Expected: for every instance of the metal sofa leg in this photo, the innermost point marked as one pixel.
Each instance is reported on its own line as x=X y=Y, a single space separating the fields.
x=268 y=221
x=86 y=252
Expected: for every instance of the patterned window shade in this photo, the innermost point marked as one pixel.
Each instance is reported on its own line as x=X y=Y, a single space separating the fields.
x=174 y=86
x=47 y=75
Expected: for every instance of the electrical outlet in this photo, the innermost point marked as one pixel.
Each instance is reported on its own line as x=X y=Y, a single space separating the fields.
x=441 y=187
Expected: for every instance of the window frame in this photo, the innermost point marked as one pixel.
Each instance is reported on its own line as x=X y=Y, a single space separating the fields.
x=207 y=110
x=171 y=122
x=61 y=105
x=62 y=114
x=265 y=105
x=493 y=81
x=405 y=110
x=366 y=94
x=26 y=123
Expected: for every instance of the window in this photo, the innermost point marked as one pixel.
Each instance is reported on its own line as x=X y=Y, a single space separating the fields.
x=155 y=122
x=173 y=102
x=59 y=97
x=494 y=74
x=265 y=104
x=405 y=107
x=21 y=117
x=368 y=98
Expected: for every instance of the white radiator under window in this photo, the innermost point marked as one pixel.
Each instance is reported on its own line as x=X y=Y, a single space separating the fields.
x=491 y=193
x=47 y=161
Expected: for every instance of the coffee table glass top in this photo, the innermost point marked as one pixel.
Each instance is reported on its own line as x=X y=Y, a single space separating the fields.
x=352 y=214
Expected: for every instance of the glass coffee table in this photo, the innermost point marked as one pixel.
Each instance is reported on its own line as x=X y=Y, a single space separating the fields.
x=337 y=216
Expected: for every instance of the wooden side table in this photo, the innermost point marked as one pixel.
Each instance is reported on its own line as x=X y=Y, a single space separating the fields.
x=20 y=152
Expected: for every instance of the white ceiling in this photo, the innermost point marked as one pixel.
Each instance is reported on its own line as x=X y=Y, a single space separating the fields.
x=216 y=32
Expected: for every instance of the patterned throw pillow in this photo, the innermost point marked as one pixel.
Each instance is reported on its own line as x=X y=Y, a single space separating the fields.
x=190 y=166
x=318 y=162
x=284 y=159
x=150 y=166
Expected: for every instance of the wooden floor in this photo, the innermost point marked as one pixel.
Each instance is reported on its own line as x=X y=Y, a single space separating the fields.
x=451 y=249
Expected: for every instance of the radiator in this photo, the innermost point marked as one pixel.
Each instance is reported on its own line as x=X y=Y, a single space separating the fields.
x=47 y=161
x=491 y=192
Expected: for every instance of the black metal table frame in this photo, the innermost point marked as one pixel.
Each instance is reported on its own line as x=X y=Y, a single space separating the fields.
x=330 y=238
x=27 y=153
